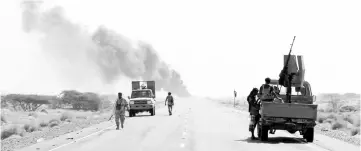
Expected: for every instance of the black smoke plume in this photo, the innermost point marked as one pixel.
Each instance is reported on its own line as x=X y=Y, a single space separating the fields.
x=104 y=52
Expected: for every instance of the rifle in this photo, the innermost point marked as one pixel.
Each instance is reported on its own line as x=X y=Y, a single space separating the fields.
x=284 y=71
x=284 y=75
x=110 y=117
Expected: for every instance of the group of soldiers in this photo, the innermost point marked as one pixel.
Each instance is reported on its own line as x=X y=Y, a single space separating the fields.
x=265 y=93
x=121 y=105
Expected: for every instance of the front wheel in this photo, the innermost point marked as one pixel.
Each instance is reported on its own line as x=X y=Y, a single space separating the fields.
x=130 y=113
x=152 y=111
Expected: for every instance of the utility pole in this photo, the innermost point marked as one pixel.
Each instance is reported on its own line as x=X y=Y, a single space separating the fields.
x=234 y=98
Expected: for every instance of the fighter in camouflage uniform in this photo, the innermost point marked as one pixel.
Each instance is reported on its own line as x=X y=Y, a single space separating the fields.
x=254 y=108
x=170 y=100
x=119 y=110
x=266 y=91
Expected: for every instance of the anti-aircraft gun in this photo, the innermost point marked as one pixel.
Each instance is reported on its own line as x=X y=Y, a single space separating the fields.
x=298 y=113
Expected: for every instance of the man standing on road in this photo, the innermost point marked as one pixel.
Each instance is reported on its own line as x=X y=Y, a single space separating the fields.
x=253 y=109
x=266 y=90
x=119 y=110
x=170 y=103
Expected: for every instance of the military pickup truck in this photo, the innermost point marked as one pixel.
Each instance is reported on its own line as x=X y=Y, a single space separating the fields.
x=142 y=98
x=299 y=114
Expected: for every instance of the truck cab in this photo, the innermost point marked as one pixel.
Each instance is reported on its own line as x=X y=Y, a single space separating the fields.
x=142 y=98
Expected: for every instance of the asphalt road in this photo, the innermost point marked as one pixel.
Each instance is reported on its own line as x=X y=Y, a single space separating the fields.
x=196 y=125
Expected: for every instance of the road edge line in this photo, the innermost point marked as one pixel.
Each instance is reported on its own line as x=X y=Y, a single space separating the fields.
x=80 y=138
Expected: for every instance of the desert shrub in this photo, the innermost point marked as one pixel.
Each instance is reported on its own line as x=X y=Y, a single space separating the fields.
x=81 y=117
x=44 y=111
x=321 y=118
x=31 y=127
x=13 y=130
x=357 y=122
x=3 y=119
x=332 y=116
x=27 y=102
x=66 y=115
x=328 y=109
x=337 y=125
x=355 y=131
x=321 y=110
x=43 y=124
x=85 y=101
x=348 y=108
x=54 y=122
x=33 y=114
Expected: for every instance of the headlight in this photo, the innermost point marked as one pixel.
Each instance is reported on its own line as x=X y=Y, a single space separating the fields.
x=131 y=102
x=149 y=102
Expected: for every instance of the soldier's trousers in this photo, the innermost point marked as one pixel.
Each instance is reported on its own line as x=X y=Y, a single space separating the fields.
x=170 y=108
x=118 y=117
x=254 y=121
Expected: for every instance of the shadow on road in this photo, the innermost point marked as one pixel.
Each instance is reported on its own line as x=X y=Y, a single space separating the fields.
x=276 y=140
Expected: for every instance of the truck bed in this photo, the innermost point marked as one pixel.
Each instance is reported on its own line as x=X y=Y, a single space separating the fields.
x=289 y=110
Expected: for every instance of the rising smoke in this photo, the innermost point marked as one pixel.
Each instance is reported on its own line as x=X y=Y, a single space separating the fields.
x=105 y=54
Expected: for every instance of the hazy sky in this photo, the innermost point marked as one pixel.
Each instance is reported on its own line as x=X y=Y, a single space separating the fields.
x=217 y=46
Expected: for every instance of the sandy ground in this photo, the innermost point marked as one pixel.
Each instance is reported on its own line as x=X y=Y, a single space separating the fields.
x=196 y=124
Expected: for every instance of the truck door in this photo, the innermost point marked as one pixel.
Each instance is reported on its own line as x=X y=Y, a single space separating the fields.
x=135 y=85
x=151 y=85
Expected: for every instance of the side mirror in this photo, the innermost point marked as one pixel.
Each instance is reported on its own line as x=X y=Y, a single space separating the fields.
x=129 y=97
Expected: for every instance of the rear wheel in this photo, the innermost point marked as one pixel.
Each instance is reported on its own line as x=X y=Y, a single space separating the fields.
x=264 y=133
x=309 y=135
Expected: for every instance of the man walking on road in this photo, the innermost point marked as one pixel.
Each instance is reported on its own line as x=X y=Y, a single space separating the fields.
x=119 y=110
x=170 y=103
x=253 y=109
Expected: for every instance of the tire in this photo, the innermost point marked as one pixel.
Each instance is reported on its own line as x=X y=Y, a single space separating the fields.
x=152 y=112
x=130 y=113
x=264 y=133
x=134 y=113
x=309 y=135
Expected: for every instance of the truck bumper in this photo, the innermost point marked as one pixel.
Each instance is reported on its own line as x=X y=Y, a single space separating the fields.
x=288 y=125
x=141 y=106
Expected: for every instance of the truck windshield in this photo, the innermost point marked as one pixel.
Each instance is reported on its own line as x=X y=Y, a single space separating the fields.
x=141 y=94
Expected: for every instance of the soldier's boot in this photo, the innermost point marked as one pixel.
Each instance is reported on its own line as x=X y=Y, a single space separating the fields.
x=117 y=127
x=122 y=126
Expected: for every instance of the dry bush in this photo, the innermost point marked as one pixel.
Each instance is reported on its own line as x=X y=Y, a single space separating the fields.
x=54 y=122
x=12 y=130
x=321 y=118
x=338 y=125
x=33 y=114
x=66 y=115
x=3 y=119
x=348 y=108
x=332 y=116
x=357 y=122
x=44 y=111
x=43 y=124
x=355 y=131
x=31 y=127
